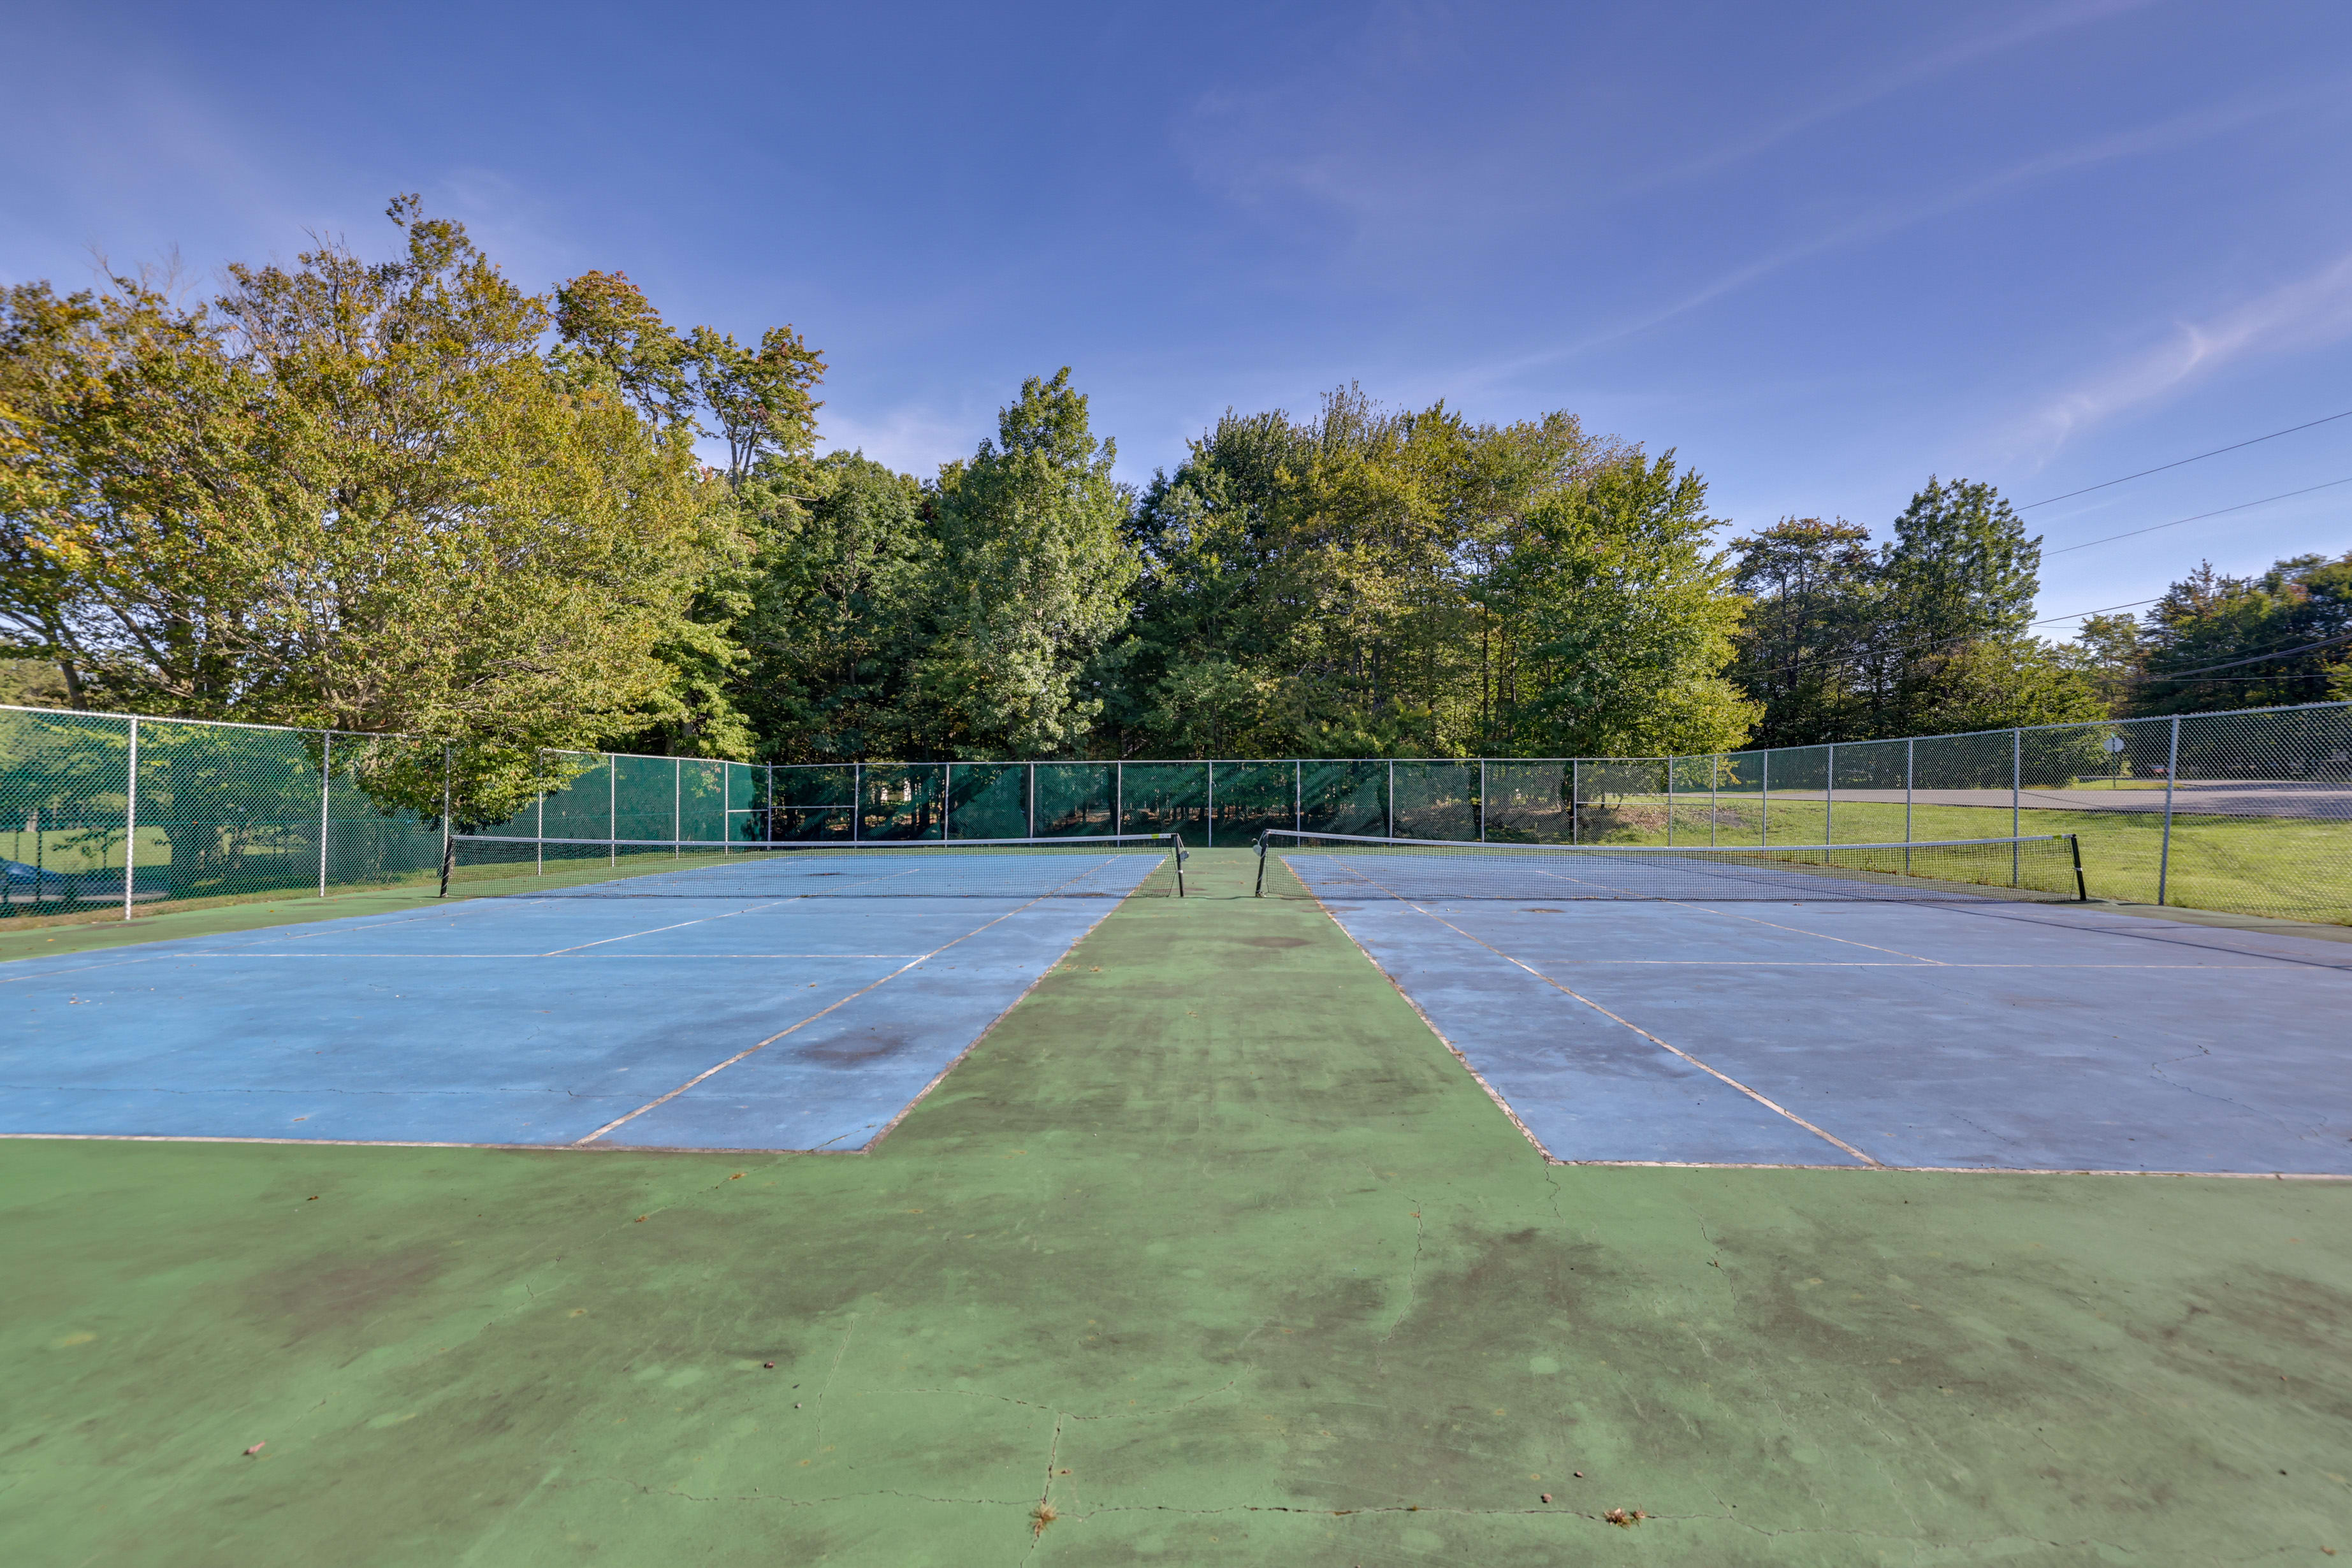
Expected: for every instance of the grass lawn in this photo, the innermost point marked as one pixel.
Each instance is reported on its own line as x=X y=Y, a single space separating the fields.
x=1209 y=1254
x=2294 y=867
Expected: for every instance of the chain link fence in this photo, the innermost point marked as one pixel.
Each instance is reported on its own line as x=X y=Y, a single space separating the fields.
x=2250 y=812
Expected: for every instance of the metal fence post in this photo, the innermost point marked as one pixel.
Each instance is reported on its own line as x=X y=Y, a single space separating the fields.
x=1670 y=803
x=2016 y=794
x=2172 y=775
x=1032 y=800
x=1910 y=754
x=1392 y=797
x=1764 y=778
x=1714 y=794
x=1297 y=795
x=130 y=820
x=768 y=816
x=325 y=773
x=856 y=798
x=677 y=804
x=1482 y=800
x=1209 y=840
x=1117 y=798
x=538 y=833
x=611 y=809
x=448 y=840
x=1828 y=797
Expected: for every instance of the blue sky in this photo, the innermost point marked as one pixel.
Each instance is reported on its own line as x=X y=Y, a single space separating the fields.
x=1824 y=250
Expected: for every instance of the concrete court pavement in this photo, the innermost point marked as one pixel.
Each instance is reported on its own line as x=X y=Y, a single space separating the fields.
x=1210 y=1254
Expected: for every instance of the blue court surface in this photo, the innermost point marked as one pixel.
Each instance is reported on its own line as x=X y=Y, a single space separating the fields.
x=754 y=1006
x=1979 y=1033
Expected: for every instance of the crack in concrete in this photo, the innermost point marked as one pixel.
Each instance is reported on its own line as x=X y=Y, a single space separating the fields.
x=1413 y=1277
x=830 y=1373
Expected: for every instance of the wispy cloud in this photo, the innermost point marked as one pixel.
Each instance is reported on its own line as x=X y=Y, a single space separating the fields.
x=2166 y=136
x=2307 y=312
x=1952 y=57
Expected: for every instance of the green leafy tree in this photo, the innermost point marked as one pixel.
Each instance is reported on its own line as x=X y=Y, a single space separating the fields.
x=2299 y=611
x=347 y=493
x=1622 y=620
x=1813 y=589
x=841 y=610
x=1029 y=584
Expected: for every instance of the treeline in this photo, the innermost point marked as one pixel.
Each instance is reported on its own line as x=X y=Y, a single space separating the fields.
x=408 y=496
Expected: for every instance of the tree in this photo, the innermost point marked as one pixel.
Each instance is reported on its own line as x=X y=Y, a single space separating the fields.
x=1812 y=588
x=1029 y=584
x=1622 y=620
x=1925 y=636
x=2108 y=650
x=348 y=494
x=2292 y=624
x=841 y=610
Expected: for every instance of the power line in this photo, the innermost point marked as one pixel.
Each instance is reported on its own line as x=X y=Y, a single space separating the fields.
x=2201 y=517
x=2199 y=458
x=2258 y=659
x=2102 y=610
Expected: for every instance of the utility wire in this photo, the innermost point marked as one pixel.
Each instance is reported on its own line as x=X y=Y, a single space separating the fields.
x=2201 y=517
x=2199 y=458
x=2258 y=659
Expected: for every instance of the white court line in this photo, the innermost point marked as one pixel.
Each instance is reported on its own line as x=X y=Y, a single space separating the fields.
x=1767 y=1102
x=601 y=958
x=813 y=1018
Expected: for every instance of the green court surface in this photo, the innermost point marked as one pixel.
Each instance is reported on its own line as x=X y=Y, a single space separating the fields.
x=1209 y=1253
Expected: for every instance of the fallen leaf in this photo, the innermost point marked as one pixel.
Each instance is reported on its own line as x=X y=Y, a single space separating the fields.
x=255 y=1448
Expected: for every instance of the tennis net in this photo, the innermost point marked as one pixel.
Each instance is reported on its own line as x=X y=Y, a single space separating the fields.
x=2042 y=868
x=1110 y=866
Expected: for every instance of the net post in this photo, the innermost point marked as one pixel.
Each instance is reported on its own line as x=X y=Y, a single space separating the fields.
x=325 y=773
x=448 y=842
x=130 y=820
x=1178 y=839
x=1259 y=891
x=2171 y=775
x=2082 y=888
x=2016 y=794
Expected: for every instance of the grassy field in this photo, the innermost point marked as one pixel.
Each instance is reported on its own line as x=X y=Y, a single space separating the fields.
x=1209 y=1254
x=2294 y=867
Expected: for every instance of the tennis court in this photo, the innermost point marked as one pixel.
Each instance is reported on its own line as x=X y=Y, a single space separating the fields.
x=1926 y=1006
x=790 y=999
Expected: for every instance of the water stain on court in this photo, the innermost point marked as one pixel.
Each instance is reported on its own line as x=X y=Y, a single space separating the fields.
x=856 y=1050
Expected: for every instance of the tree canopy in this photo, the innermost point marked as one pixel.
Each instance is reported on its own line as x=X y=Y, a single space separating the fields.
x=409 y=495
